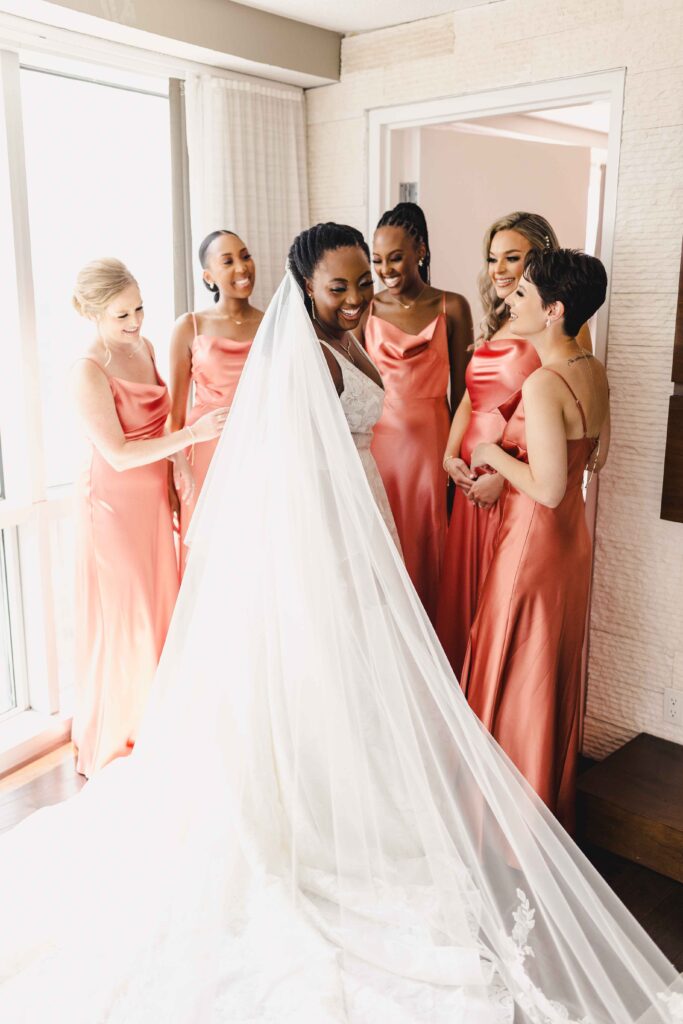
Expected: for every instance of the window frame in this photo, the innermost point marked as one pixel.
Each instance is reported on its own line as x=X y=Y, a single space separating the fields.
x=37 y=723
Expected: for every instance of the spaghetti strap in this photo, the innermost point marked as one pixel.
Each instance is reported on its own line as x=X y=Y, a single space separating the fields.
x=443 y=303
x=573 y=394
x=194 y=323
x=89 y=359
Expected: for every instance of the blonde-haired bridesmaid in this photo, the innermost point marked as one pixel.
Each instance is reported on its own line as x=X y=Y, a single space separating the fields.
x=127 y=573
x=500 y=364
x=209 y=349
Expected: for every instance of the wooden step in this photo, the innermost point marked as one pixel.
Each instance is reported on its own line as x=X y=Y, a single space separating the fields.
x=632 y=804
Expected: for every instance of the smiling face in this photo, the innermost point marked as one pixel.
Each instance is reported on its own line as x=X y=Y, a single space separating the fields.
x=341 y=288
x=506 y=261
x=121 y=321
x=527 y=315
x=395 y=258
x=230 y=266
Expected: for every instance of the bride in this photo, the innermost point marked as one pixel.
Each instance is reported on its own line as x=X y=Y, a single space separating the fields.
x=313 y=827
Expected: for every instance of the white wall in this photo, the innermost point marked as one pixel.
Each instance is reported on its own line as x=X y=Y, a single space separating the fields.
x=636 y=639
x=467 y=181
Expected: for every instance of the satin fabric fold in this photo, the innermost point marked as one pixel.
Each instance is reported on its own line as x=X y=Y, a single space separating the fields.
x=126 y=582
x=522 y=671
x=410 y=439
x=217 y=365
x=494 y=379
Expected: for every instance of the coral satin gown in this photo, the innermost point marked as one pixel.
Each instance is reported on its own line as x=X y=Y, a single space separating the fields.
x=217 y=365
x=409 y=441
x=522 y=672
x=126 y=583
x=494 y=379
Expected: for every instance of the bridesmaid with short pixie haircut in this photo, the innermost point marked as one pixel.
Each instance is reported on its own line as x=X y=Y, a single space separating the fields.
x=209 y=349
x=418 y=336
x=522 y=671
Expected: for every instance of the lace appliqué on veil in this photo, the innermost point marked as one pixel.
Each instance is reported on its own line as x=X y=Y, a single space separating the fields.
x=529 y=996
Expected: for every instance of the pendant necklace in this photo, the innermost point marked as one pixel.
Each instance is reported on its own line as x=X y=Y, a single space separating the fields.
x=338 y=341
x=409 y=305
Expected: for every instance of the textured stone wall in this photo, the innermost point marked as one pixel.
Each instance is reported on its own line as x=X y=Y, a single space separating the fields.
x=636 y=639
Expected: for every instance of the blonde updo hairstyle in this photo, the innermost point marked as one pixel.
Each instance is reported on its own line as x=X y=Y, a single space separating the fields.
x=98 y=283
x=540 y=236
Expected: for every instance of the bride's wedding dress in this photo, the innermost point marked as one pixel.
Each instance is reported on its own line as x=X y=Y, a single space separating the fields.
x=313 y=826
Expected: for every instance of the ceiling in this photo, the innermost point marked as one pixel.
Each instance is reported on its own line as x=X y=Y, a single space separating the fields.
x=360 y=15
x=594 y=116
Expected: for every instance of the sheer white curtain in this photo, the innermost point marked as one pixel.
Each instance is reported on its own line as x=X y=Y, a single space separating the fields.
x=247 y=155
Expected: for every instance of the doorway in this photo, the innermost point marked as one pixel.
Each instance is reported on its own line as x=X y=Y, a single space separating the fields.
x=549 y=148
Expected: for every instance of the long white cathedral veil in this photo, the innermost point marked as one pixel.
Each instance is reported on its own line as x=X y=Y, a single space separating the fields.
x=313 y=826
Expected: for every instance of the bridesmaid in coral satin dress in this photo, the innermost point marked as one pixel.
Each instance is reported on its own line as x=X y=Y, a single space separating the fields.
x=418 y=337
x=127 y=574
x=494 y=379
x=212 y=359
x=498 y=369
x=522 y=671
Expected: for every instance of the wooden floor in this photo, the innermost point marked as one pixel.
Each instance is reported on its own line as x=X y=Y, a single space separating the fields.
x=655 y=901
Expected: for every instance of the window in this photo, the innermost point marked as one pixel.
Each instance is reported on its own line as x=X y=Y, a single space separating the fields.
x=86 y=173
x=98 y=170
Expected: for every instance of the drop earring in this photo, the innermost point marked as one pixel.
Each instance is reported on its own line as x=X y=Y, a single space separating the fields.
x=313 y=309
x=420 y=263
x=547 y=321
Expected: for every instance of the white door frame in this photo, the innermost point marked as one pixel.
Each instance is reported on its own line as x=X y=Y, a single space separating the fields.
x=603 y=85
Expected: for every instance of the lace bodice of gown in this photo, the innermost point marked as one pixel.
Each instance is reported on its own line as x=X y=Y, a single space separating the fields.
x=362 y=401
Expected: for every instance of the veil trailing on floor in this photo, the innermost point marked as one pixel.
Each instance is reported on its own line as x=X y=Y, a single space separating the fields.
x=313 y=826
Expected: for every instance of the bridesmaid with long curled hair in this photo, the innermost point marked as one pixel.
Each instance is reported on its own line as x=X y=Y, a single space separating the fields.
x=500 y=364
x=127 y=571
x=418 y=337
x=209 y=349
x=522 y=670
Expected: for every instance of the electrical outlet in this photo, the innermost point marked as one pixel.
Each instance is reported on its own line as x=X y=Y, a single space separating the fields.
x=673 y=707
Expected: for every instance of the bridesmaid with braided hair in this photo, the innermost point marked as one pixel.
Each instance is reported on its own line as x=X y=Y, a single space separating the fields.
x=418 y=337
x=208 y=351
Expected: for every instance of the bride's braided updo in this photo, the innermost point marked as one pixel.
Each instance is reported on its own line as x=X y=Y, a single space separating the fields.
x=309 y=247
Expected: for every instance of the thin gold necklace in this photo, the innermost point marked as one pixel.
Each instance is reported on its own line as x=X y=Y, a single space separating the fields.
x=410 y=305
x=338 y=341
x=235 y=320
x=129 y=355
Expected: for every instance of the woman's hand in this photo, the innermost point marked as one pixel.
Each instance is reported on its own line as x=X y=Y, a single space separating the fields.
x=486 y=490
x=460 y=473
x=210 y=424
x=481 y=455
x=183 y=479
